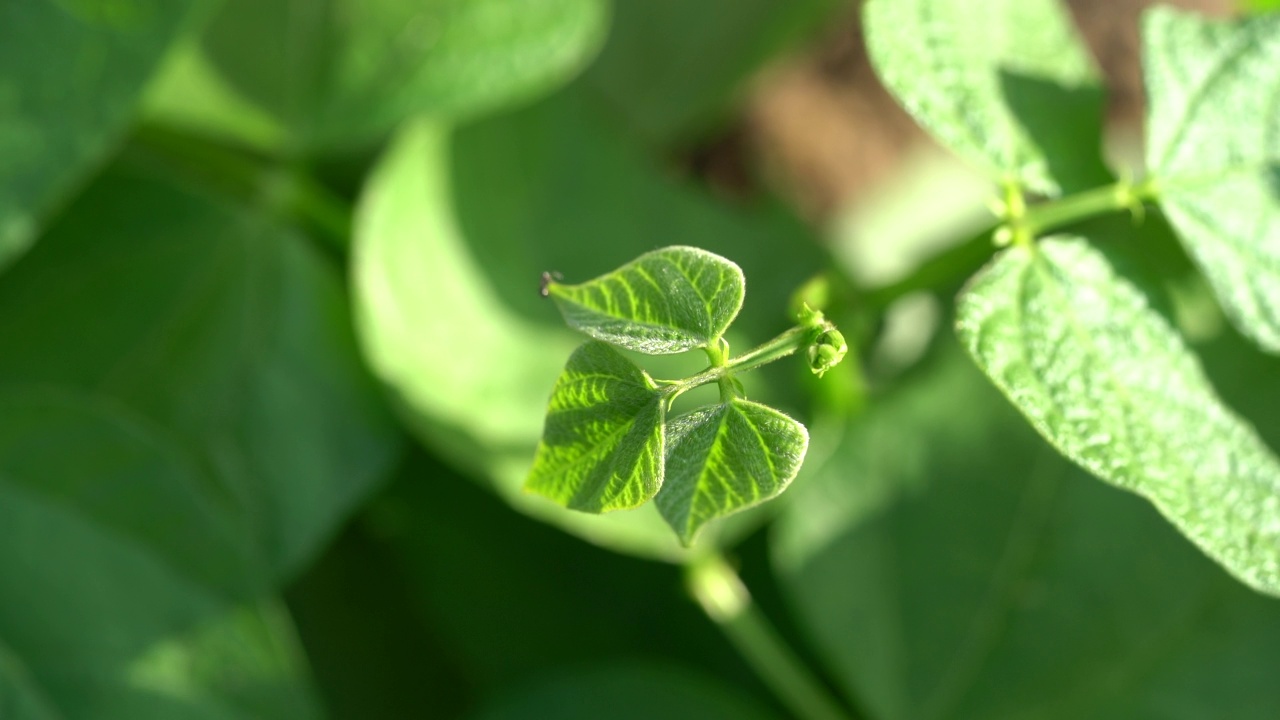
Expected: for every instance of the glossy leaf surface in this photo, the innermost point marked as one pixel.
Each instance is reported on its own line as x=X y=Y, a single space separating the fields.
x=1214 y=150
x=725 y=458
x=602 y=448
x=1111 y=385
x=665 y=301
x=992 y=85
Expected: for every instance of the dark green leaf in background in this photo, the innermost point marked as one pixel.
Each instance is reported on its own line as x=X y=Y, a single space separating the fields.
x=725 y=458
x=1213 y=149
x=665 y=301
x=226 y=333
x=992 y=85
x=946 y=564
x=602 y=448
x=341 y=72
x=71 y=72
x=672 y=68
x=1111 y=385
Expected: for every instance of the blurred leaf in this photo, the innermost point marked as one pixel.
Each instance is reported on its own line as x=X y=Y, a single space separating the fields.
x=224 y=331
x=1112 y=386
x=452 y=233
x=629 y=690
x=602 y=446
x=188 y=93
x=665 y=301
x=71 y=72
x=670 y=67
x=342 y=72
x=1213 y=149
x=992 y=86
x=110 y=551
x=726 y=458
x=948 y=565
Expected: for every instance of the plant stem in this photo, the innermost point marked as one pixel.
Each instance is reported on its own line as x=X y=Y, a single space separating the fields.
x=779 y=347
x=725 y=600
x=1122 y=195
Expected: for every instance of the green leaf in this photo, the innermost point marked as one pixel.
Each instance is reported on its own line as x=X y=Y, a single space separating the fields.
x=665 y=301
x=945 y=563
x=1213 y=148
x=726 y=458
x=992 y=85
x=1112 y=386
x=227 y=331
x=673 y=68
x=342 y=72
x=71 y=73
x=602 y=448
x=626 y=690
x=123 y=528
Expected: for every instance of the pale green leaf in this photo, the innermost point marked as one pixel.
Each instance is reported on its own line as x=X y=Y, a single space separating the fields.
x=946 y=563
x=71 y=73
x=726 y=458
x=992 y=85
x=341 y=72
x=1112 y=386
x=1213 y=148
x=665 y=301
x=602 y=448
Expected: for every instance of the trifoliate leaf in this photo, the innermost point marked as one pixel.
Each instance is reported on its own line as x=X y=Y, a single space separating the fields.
x=602 y=446
x=1108 y=382
x=993 y=84
x=665 y=301
x=725 y=458
x=1213 y=148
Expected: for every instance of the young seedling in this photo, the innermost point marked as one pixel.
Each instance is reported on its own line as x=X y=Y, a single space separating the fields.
x=608 y=443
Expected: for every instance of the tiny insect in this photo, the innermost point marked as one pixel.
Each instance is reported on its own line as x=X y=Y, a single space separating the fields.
x=544 y=289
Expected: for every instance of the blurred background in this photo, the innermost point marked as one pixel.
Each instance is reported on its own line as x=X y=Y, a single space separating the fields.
x=273 y=365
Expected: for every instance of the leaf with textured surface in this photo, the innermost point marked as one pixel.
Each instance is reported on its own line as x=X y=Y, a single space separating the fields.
x=1112 y=386
x=947 y=564
x=1213 y=147
x=951 y=68
x=726 y=458
x=70 y=75
x=665 y=301
x=345 y=71
x=602 y=446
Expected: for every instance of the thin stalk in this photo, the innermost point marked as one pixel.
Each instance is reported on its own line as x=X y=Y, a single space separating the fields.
x=1122 y=195
x=725 y=600
x=779 y=347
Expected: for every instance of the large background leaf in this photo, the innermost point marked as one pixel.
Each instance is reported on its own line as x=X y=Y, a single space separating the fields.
x=1063 y=597
x=1110 y=384
x=344 y=71
x=1213 y=148
x=222 y=330
x=992 y=85
x=70 y=75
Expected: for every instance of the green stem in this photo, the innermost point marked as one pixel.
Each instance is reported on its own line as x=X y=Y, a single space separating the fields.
x=779 y=347
x=1122 y=195
x=725 y=600
x=281 y=191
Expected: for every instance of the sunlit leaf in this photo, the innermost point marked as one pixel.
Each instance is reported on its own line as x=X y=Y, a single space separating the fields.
x=725 y=458
x=1111 y=385
x=71 y=73
x=993 y=85
x=345 y=71
x=602 y=448
x=665 y=301
x=946 y=563
x=1213 y=148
